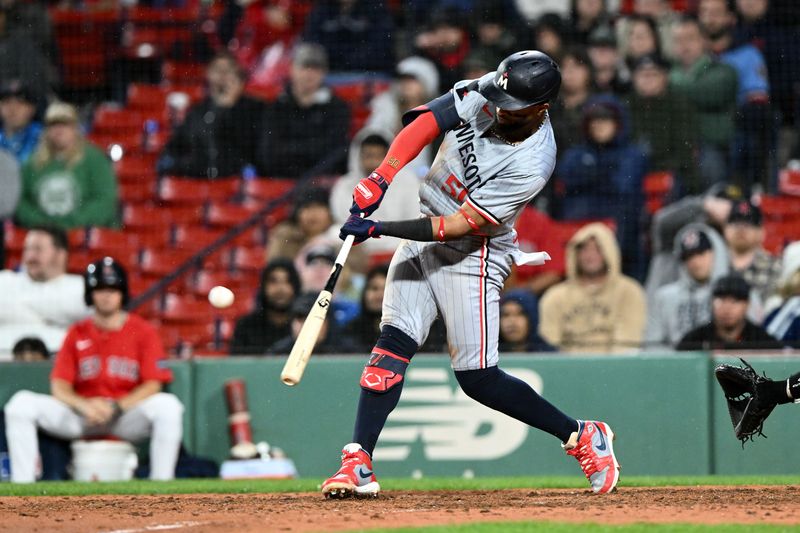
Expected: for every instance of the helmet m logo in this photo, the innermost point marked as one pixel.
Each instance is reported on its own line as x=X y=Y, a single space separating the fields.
x=502 y=81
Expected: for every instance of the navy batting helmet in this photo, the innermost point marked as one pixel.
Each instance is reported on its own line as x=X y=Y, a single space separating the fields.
x=105 y=274
x=523 y=79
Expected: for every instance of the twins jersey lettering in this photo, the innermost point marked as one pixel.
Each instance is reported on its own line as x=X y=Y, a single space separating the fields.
x=462 y=279
x=110 y=363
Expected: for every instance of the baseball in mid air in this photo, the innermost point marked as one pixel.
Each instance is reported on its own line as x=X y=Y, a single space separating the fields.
x=220 y=297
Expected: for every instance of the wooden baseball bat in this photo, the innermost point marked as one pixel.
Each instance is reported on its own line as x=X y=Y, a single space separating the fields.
x=304 y=344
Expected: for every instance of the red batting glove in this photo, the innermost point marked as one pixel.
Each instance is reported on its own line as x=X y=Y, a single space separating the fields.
x=368 y=194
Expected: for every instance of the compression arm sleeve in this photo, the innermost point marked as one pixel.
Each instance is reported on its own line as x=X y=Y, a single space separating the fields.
x=408 y=144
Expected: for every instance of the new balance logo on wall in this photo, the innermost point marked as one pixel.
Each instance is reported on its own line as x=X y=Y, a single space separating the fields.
x=450 y=425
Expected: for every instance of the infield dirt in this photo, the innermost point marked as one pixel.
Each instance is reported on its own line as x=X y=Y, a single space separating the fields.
x=306 y=512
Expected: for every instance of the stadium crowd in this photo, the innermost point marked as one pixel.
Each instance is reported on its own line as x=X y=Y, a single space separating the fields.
x=670 y=215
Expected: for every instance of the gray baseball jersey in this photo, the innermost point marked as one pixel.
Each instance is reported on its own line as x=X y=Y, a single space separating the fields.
x=462 y=279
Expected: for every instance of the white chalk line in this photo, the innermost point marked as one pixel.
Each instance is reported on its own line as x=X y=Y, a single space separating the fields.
x=158 y=527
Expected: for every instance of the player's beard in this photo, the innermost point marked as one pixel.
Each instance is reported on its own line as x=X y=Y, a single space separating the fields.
x=514 y=131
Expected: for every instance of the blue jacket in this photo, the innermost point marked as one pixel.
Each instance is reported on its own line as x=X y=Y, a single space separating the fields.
x=784 y=322
x=23 y=143
x=605 y=181
x=751 y=71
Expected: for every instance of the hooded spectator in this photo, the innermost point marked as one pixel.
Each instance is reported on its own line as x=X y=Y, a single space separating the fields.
x=683 y=305
x=257 y=331
x=602 y=178
x=20 y=133
x=729 y=328
x=519 y=323
x=550 y=34
x=328 y=341
x=367 y=151
x=67 y=182
x=597 y=308
x=446 y=42
x=217 y=139
x=365 y=328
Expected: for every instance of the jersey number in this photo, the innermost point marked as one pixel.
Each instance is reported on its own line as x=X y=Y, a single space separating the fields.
x=455 y=188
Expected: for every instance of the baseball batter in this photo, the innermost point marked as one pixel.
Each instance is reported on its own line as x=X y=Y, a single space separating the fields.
x=105 y=381
x=498 y=153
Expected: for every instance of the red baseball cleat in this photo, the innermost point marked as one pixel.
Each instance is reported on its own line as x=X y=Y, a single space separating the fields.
x=355 y=477
x=592 y=446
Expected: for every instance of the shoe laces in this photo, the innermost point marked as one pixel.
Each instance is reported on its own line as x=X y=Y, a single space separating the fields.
x=586 y=457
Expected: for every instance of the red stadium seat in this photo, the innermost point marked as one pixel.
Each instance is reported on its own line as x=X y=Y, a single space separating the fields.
x=195 y=237
x=14 y=238
x=159 y=263
x=122 y=246
x=112 y=120
x=227 y=215
x=249 y=259
x=145 y=216
x=204 y=280
x=155 y=238
x=76 y=238
x=136 y=168
x=147 y=97
x=176 y=73
x=78 y=260
x=780 y=207
x=263 y=189
x=789 y=182
x=176 y=190
x=136 y=193
x=186 y=309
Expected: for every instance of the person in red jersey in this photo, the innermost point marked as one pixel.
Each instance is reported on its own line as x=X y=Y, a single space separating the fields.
x=106 y=380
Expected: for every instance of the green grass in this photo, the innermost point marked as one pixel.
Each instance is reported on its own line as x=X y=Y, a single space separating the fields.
x=552 y=527
x=194 y=486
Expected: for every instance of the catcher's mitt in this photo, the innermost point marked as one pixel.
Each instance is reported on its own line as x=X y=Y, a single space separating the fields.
x=748 y=408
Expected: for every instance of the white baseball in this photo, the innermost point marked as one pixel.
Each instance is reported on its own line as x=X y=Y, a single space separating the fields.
x=220 y=297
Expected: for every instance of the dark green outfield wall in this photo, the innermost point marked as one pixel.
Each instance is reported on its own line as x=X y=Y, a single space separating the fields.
x=669 y=416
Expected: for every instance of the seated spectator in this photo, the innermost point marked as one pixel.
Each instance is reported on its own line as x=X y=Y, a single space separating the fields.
x=536 y=232
x=42 y=300
x=21 y=132
x=753 y=140
x=445 y=40
x=365 y=328
x=550 y=34
x=729 y=328
x=641 y=39
x=259 y=25
x=763 y=24
x=306 y=126
x=10 y=185
x=217 y=138
x=710 y=87
x=495 y=32
x=106 y=381
x=477 y=63
x=685 y=304
x=783 y=322
x=310 y=218
x=519 y=323
x=597 y=308
x=367 y=151
x=610 y=73
x=314 y=263
x=417 y=84
x=602 y=178
x=744 y=236
x=577 y=87
x=662 y=122
x=587 y=16
x=20 y=56
x=357 y=34
x=67 y=182
x=711 y=208
x=30 y=350
x=659 y=11
x=256 y=332
x=328 y=342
